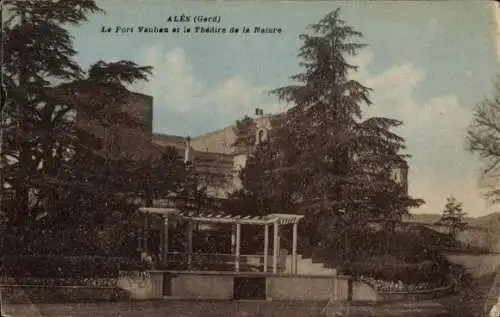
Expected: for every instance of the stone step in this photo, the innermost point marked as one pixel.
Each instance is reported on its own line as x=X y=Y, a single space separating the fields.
x=309 y=266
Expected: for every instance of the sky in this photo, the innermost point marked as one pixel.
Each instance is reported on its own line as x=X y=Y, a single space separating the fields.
x=428 y=63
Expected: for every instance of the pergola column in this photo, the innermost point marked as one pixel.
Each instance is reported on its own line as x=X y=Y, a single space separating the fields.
x=139 y=239
x=190 y=244
x=145 y=234
x=233 y=239
x=165 y=242
x=294 y=248
x=266 y=246
x=276 y=247
x=238 y=246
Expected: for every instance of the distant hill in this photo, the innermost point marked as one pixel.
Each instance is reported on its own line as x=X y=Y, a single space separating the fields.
x=484 y=231
x=488 y=221
x=422 y=218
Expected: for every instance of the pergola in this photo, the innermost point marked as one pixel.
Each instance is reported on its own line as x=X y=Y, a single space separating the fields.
x=191 y=217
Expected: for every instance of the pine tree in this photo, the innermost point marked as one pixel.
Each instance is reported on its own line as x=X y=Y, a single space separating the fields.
x=326 y=162
x=453 y=217
x=55 y=165
x=37 y=52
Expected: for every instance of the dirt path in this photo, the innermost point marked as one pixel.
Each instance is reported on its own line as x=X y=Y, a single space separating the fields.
x=168 y=309
x=173 y=308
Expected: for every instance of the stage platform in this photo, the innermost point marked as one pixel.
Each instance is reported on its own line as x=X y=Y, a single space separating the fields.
x=243 y=285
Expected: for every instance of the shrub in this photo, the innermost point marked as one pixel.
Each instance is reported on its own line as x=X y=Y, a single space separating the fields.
x=67 y=266
x=419 y=245
x=393 y=269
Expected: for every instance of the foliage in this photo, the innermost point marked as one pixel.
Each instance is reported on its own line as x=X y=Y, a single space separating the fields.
x=392 y=269
x=483 y=139
x=453 y=217
x=322 y=159
x=55 y=266
x=38 y=51
x=245 y=133
x=420 y=245
x=59 y=172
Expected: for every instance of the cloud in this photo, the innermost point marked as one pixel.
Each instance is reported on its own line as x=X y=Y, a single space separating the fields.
x=237 y=94
x=434 y=129
x=433 y=22
x=398 y=81
x=362 y=60
x=173 y=82
x=179 y=93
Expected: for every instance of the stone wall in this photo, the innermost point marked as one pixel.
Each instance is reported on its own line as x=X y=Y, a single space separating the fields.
x=202 y=286
x=141 y=285
x=221 y=285
x=303 y=288
x=134 y=139
x=124 y=139
x=220 y=141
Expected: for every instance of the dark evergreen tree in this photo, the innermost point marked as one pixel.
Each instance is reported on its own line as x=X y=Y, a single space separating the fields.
x=323 y=160
x=37 y=52
x=453 y=217
x=60 y=179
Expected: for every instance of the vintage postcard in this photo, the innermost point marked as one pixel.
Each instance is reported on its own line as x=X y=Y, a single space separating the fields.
x=250 y=158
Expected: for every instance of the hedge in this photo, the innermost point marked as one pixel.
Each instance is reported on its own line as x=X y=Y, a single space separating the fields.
x=51 y=266
x=43 y=295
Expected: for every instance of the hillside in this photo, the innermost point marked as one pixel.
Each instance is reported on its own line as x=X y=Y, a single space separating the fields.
x=489 y=221
x=483 y=232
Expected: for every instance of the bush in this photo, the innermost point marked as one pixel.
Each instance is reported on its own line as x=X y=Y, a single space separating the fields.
x=50 y=266
x=420 y=245
x=392 y=269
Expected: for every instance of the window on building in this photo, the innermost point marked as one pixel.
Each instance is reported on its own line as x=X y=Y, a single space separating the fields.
x=261 y=136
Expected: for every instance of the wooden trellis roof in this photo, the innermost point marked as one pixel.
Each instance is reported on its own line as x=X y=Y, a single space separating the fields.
x=219 y=217
x=286 y=219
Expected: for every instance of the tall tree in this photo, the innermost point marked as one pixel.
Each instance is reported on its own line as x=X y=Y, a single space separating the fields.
x=333 y=166
x=37 y=52
x=484 y=140
x=453 y=217
x=56 y=166
x=259 y=181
